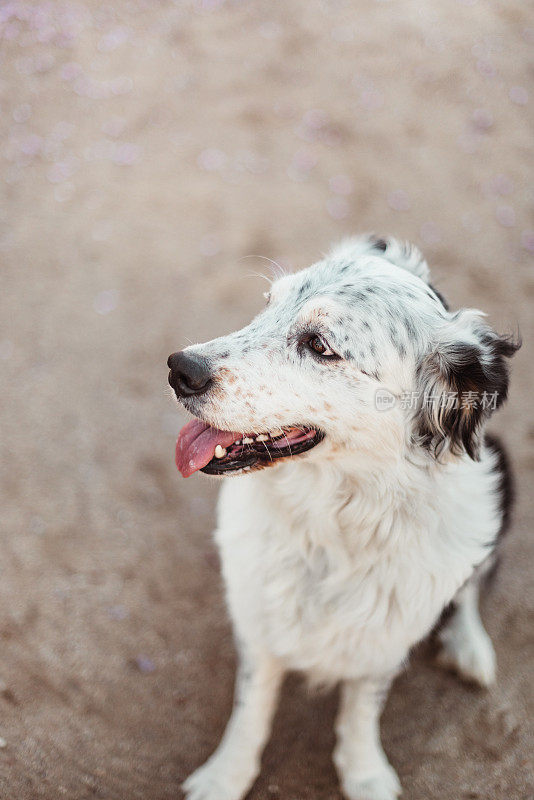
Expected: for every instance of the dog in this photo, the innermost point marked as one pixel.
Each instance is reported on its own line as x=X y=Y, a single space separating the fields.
x=370 y=499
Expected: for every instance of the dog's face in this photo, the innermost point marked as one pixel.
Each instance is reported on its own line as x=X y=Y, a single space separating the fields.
x=337 y=365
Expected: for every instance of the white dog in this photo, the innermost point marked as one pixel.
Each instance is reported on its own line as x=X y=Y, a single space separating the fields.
x=369 y=398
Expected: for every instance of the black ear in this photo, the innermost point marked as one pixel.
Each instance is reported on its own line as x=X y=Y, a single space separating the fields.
x=461 y=382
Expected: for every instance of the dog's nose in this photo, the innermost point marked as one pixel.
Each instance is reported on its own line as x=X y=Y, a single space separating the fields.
x=189 y=374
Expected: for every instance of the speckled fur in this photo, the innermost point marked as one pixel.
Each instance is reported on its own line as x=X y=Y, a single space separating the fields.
x=338 y=561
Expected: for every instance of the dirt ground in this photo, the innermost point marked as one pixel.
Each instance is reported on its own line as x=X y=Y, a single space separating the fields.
x=150 y=153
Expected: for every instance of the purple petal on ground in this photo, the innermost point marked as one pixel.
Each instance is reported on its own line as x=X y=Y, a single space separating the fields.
x=506 y=216
x=500 y=184
x=212 y=159
x=482 y=119
x=398 y=200
x=527 y=241
x=518 y=95
x=341 y=184
x=106 y=301
x=337 y=207
x=144 y=664
x=430 y=233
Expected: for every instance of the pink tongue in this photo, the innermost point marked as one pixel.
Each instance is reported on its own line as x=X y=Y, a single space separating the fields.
x=196 y=445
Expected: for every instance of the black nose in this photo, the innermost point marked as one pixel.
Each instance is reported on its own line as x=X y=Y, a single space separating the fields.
x=189 y=374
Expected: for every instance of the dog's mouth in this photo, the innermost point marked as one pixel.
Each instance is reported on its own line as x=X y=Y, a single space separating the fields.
x=216 y=452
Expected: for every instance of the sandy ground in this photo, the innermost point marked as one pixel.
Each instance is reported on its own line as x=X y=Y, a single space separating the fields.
x=146 y=149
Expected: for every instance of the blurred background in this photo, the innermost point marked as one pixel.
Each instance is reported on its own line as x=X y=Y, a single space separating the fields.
x=150 y=153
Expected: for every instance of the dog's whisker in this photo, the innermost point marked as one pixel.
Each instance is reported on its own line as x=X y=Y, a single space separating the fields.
x=289 y=445
x=278 y=270
x=267 y=449
x=259 y=275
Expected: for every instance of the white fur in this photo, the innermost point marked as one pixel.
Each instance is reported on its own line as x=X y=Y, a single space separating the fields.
x=466 y=647
x=337 y=562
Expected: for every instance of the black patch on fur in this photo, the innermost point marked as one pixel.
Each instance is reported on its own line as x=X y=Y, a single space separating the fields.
x=506 y=486
x=411 y=329
x=440 y=297
x=461 y=368
x=379 y=244
x=445 y=617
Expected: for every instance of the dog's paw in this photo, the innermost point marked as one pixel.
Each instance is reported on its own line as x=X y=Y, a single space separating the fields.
x=472 y=657
x=218 y=780
x=382 y=785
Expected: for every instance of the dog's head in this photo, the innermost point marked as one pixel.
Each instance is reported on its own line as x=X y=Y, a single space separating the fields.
x=355 y=357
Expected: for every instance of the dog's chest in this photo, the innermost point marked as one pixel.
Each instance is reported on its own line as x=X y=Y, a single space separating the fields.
x=337 y=589
x=340 y=619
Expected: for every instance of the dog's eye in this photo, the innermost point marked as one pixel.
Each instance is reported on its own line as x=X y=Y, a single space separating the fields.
x=319 y=346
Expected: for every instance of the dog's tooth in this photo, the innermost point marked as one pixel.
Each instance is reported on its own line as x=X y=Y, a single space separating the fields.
x=238 y=441
x=220 y=452
x=262 y=438
x=277 y=432
x=247 y=440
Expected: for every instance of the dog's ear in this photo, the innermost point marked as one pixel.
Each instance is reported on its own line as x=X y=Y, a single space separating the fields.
x=460 y=383
x=402 y=254
x=406 y=256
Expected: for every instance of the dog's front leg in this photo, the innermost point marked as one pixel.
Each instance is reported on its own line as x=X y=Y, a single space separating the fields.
x=232 y=768
x=364 y=771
